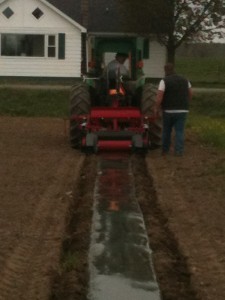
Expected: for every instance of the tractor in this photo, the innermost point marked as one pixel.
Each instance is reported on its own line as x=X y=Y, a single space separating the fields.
x=118 y=117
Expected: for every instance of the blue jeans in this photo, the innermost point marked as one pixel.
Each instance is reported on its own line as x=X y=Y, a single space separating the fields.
x=176 y=121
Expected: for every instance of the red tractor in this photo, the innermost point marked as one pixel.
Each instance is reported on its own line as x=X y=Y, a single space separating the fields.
x=118 y=116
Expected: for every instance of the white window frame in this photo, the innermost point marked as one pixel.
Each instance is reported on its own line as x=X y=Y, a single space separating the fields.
x=46 y=46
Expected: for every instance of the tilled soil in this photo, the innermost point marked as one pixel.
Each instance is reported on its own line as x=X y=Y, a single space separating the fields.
x=70 y=280
x=38 y=176
x=190 y=194
x=46 y=208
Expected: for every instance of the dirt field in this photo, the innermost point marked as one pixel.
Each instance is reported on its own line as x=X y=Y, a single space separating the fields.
x=191 y=195
x=38 y=174
x=46 y=196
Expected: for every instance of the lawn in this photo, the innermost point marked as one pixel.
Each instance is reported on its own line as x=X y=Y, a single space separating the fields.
x=202 y=70
x=207 y=118
x=34 y=102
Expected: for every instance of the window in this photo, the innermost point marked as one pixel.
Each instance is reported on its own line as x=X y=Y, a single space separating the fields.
x=37 y=13
x=22 y=45
x=8 y=12
x=32 y=45
x=51 y=46
x=146 y=48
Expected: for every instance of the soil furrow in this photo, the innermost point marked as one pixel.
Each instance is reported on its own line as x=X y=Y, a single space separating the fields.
x=71 y=279
x=171 y=267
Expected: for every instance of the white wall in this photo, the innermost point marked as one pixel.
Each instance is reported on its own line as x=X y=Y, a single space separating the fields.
x=50 y=23
x=153 y=67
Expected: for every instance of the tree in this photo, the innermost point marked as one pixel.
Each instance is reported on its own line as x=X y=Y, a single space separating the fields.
x=177 y=21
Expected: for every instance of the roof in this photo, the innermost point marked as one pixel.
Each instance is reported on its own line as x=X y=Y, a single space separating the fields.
x=65 y=15
x=71 y=8
x=103 y=16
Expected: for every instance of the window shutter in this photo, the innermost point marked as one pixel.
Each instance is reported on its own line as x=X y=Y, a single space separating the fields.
x=61 y=52
x=146 y=48
x=83 y=53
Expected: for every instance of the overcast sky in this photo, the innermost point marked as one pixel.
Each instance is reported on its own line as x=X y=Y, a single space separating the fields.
x=216 y=40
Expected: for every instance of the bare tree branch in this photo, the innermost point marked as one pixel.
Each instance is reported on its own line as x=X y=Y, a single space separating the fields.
x=176 y=21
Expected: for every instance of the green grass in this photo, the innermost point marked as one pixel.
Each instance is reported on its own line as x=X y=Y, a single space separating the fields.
x=204 y=70
x=209 y=104
x=34 y=103
x=207 y=118
x=210 y=131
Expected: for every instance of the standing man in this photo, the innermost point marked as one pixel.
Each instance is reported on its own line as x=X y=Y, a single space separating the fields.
x=174 y=94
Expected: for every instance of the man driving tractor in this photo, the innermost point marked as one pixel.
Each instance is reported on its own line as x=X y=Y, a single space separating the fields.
x=115 y=69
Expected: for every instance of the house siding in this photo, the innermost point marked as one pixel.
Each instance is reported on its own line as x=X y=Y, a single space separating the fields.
x=153 y=67
x=24 y=22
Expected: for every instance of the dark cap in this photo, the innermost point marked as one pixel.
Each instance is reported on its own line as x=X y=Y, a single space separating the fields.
x=122 y=54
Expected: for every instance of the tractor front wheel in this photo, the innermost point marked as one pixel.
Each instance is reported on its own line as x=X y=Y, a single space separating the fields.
x=79 y=105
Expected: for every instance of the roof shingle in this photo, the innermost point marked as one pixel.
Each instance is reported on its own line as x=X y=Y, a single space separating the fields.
x=103 y=15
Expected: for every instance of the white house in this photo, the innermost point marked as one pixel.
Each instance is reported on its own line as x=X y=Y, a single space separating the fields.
x=48 y=38
x=38 y=40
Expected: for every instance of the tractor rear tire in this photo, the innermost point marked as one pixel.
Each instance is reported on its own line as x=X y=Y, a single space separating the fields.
x=80 y=104
x=148 y=101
